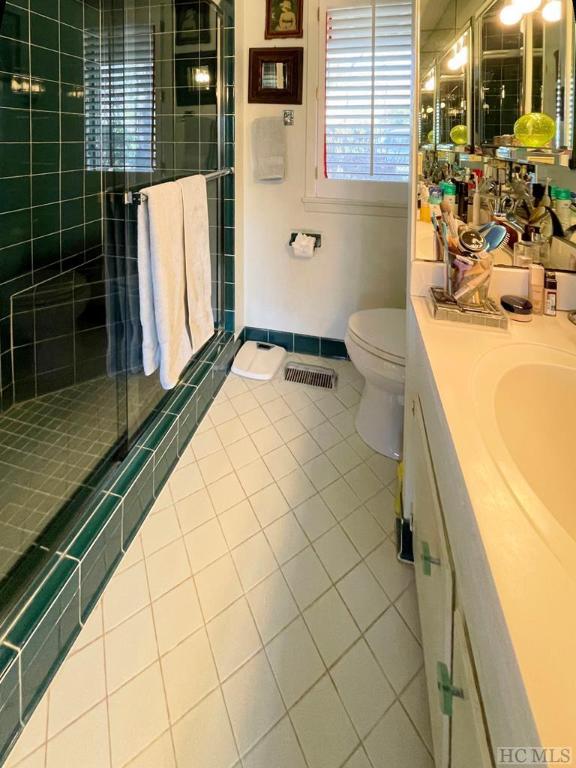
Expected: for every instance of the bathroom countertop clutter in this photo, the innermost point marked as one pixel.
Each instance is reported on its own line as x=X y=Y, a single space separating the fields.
x=499 y=408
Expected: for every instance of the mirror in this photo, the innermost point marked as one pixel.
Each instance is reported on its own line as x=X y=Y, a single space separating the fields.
x=274 y=75
x=453 y=94
x=427 y=114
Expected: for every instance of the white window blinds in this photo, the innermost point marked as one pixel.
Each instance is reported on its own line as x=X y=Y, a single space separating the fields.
x=368 y=91
x=120 y=105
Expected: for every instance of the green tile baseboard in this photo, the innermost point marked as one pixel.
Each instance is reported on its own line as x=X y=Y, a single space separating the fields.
x=296 y=342
x=35 y=643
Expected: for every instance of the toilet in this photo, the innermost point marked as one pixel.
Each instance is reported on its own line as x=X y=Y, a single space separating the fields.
x=376 y=344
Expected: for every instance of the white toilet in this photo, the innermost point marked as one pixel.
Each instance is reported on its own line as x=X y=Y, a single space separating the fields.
x=376 y=343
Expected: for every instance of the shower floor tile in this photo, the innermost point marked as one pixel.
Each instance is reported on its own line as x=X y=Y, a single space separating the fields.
x=292 y=606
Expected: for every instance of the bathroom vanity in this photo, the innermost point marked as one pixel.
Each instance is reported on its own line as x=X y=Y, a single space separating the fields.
x=489 y=417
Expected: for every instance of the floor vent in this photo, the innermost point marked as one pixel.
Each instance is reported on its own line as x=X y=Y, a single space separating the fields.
x=314 y=376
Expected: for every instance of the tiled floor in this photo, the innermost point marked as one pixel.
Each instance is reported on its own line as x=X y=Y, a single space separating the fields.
x=261 y=619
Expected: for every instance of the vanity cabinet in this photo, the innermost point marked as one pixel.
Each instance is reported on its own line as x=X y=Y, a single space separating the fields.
x=458 y=730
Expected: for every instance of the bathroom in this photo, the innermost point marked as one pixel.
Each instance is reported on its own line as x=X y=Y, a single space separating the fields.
x=287 y=292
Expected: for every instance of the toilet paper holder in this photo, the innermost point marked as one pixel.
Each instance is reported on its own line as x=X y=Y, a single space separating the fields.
x=317 y=238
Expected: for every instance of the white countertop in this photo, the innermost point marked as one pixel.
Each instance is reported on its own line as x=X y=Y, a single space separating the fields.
x=535 y=590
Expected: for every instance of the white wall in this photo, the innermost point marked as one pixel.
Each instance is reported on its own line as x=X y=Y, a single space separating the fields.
x=362 y=263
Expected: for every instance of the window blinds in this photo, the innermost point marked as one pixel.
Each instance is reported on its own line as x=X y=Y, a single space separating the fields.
x=368 y=91
x=120 y=105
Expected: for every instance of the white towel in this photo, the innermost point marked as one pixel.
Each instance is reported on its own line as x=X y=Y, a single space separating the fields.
x=197 y=260
x=269 y=149
x=162 y=283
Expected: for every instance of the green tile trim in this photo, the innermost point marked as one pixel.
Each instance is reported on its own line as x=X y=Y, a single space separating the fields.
x=40 y=637
x=295 y=342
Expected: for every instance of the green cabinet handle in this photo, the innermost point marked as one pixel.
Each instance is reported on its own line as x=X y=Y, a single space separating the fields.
x=446 y=689
x=427 y=560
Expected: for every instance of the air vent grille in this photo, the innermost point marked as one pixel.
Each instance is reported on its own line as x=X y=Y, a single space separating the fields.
x=312 y=375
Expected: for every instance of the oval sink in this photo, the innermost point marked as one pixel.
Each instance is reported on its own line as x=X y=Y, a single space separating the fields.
x=526 y=403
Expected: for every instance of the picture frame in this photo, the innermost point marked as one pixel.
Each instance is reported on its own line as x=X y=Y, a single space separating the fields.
x=276 y=76
x=284 y=19
x=196 y=80
x=192 y=23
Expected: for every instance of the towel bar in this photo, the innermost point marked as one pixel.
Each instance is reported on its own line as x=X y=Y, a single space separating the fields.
x=135 y=198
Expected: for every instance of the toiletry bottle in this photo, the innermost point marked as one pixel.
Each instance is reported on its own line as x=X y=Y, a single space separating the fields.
x=561 y=207
x=424 y=204
x=449 y=189
x=536 y=288
x=434 y=201
x=550 y=294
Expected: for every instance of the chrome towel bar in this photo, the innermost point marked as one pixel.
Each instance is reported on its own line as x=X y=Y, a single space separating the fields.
x=135 y=198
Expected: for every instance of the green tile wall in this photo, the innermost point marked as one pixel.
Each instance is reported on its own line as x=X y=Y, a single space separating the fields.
x=296 y=342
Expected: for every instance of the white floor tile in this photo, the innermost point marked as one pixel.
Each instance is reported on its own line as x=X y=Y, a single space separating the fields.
x=382 y=506
x=415 y=701
x=35 y=760
x=276 y=409
x=189 y=674
x=265 y=393
x=255 y=420
x=311 y=416
x=254 y=560
x=361 y=448
x=323 y=727
x=134 y=554
x=242 y=452
x=78 y=686
x=345 y=422
x=226 y=493
x=167 y=568
x=338 y=555
x=239 y=523
x=195 y=510
x=205 y=443
x=363 y=482
x=126 y=594
x=163 y=500
x=315 y=517
x=326 y=435
x=244 y=403
x=358 y=760
x=290 y=427
x=394 y=576
x=365 y=598
x=272 y=605
x=126 y=658
x=280 y=462
x=330 y=405
x=394 y=646
x=321 y=472
x=233 y=637
x=138 y=715
x=340 y=499
x=296 y=663
x=407 y=605
x=160 y=754
x=286 y=537
x=296 y=398
x=343 y=457
x=306 y=577
x=222 y=412
x=331 y=625
x=394 y=743
x=159 y=530
x=177 y=615
x=205 y=544
x=253 y=701
x=33 y=735
x=215 y=466
x=185 y=481
x=254 y=477
x=87 y=736
x=384 y=468
x=204 y=738
x=267 y=439
x=92 y=629
x=364 y=531
x=364 y=690
x=218 y=587
x=348 y=395
x=231 y=431
x=296 y=487
x=269 y=504
x=234 y=386
x=278 y=749
x=304 y=448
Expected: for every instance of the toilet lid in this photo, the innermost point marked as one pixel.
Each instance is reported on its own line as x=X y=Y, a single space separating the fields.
x=384 y=330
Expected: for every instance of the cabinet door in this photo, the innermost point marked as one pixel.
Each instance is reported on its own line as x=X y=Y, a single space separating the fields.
x=469 y=740
x=434 y=583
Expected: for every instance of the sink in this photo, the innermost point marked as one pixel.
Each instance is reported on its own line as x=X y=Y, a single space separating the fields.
x=525 y=399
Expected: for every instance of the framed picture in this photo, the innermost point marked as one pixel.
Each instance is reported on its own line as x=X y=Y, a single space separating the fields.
x=275 y=76
x=196 y=80
x=192 y=23
x=284 y=18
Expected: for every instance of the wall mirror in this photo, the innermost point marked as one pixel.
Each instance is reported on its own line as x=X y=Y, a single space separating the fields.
x=427 y=114
x=275 y=75
x=453 y=94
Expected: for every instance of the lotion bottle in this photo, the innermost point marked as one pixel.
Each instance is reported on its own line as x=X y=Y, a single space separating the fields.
x=536 y=288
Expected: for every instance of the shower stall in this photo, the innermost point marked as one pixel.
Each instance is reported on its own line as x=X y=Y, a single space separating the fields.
x=98 y=99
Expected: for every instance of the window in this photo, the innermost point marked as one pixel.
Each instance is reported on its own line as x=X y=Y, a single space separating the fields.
x=120 y=107
x=364 y=98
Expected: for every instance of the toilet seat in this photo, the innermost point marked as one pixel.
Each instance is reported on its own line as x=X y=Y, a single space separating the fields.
x=381 y=332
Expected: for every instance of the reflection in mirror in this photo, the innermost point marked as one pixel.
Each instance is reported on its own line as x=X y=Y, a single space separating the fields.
x=274 y=75
x=426 y=119
x=453 y=95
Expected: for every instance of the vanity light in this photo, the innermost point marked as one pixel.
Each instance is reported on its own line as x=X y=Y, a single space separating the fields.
x=552 y=11
x=510 y=15
x=202 y=76
x=429 y=84
x=527 y=6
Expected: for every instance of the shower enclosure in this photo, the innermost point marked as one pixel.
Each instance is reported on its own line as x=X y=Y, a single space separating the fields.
x=98 y=99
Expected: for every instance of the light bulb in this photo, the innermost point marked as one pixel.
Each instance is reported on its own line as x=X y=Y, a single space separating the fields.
x=454 y=63
x=552 y=11
x=510 y=15
x=429 y=84
x=463 y=56
x=527 y=6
